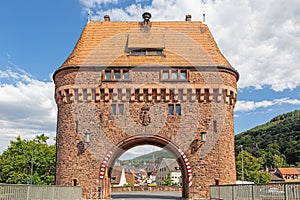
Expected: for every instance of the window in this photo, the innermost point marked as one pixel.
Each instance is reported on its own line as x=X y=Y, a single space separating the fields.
x=138 y=52
x=174 y=75
x=171 y=109
x=117 y=109
x=183 y=75
x=165 y=75
x=121 y=109
x=174 y=109
x=178 y=109
x=215 y=126
x=114 y=109
x=74 y=182
x=288 y=177
x=107 y=74
x=146 y=52
x=295 y=177
x=116 y=74
x=125 y=74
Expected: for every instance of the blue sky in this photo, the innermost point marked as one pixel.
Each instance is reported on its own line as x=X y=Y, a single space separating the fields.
x=261 y=39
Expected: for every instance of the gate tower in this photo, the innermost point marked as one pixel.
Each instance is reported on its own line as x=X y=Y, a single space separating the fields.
x=132 y=83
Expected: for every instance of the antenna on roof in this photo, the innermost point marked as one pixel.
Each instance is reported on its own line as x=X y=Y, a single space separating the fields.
x=203 y=16
x=89 y=16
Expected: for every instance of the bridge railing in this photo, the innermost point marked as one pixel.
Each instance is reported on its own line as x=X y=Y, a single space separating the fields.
x=274 y=191
x=37 y=192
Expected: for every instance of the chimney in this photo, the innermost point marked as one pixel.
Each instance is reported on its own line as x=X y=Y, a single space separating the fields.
x=188 y=18
x=106 y=18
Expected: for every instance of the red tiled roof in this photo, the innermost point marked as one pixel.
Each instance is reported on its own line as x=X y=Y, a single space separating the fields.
x=184 y=43
x=289 y=171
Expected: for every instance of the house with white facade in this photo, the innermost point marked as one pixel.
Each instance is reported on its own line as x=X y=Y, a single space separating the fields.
x=169 y=168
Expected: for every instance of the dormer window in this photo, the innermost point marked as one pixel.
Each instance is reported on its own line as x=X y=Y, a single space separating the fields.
x=142 y=43
x=138 y=52
x=146 y=52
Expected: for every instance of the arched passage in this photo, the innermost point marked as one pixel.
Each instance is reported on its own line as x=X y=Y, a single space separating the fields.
x=134 y=141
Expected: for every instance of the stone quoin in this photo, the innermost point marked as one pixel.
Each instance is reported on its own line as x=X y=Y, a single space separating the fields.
x=133 y=83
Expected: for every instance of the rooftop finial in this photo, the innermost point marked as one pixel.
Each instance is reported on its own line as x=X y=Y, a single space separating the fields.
x=146 y=17
x=203 y=16
x=89 y=16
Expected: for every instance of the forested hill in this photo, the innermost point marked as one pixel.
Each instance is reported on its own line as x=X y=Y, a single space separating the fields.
x=157 y=155
x=274 y=142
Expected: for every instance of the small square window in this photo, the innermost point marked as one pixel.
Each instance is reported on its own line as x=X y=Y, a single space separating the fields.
x=183 y=75
x=108 y=75
x=174 y=75
x=165 y=75
x=117 y=75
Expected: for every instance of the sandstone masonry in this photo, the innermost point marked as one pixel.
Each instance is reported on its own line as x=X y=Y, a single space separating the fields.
x=146 y=95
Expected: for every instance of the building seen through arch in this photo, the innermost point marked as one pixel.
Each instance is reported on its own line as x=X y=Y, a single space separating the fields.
x=127 y=84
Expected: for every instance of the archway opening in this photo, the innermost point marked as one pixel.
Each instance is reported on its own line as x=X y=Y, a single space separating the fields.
x=156 y=175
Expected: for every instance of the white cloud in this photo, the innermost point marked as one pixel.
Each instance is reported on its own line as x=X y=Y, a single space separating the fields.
x=27 y=107
x=96 y=3
x=246 y=106
x=261 y=39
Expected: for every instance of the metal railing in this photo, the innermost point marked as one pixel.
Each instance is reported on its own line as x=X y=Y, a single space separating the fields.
x=274 y=191
x=38 y=192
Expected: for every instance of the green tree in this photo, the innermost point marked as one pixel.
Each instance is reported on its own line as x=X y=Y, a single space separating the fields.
x=168 y=181
x=276 y=143
x=264 y=177
x=15 y=161
x=251 y=168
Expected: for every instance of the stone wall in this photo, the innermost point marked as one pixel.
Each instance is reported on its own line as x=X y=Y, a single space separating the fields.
x=85 y=111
